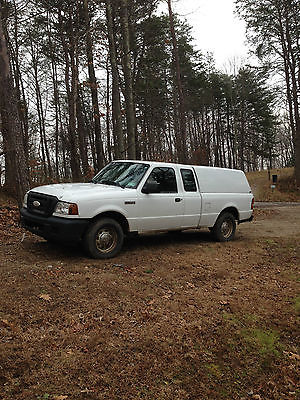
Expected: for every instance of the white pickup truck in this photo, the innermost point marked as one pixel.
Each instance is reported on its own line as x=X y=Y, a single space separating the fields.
x=139 y=196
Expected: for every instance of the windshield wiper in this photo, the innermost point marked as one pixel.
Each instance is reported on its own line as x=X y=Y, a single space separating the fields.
x=108 y=182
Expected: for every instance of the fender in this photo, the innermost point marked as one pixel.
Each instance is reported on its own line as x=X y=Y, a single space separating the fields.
x=109 y=208
x=210 y=216
x=132 y=221
x=233 y=207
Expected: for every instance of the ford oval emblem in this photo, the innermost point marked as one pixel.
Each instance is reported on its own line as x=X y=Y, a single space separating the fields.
x=36 y=203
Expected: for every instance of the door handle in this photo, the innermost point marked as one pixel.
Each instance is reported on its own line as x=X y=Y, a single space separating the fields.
x=178 y=200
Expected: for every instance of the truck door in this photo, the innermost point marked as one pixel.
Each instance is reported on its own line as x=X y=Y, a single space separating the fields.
x=192 y=199
x=162 y=210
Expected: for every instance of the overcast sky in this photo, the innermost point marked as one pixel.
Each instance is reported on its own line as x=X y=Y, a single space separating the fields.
x=215 y=28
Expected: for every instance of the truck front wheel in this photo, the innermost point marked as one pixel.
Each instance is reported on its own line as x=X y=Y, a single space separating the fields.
x=104 y=238
x=224 y=228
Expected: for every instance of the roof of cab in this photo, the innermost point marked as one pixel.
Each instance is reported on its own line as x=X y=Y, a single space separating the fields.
x=158 y=163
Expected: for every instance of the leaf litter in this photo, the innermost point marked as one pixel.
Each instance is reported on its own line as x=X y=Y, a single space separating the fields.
x=169 y=334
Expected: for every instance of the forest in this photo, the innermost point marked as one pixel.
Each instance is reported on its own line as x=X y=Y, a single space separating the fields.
x=83 y=82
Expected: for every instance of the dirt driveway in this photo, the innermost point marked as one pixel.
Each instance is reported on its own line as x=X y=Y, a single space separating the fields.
x=175 y=317
x=273 y=221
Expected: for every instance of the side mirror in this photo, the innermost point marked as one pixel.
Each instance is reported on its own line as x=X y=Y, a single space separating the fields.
x=150 y=187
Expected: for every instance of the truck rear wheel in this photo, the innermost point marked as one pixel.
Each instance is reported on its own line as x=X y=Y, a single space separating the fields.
x=224 y=228
x=104 y=238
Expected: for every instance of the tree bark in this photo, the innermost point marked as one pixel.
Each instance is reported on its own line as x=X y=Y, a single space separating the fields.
x=11 y=126
x=107 y=112
x=82 y=133
x=23 y=108
x=70 y=50
x=292 y=84
x=127 y=68
x=94 y=89
x=119 y=148
x=40 y=109
x=181 y=106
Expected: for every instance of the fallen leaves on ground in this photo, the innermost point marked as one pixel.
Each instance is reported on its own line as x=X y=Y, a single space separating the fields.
x=46 y=297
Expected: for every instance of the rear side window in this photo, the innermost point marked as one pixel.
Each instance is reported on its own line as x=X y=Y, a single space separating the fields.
x=188 y=180
x=166 y=179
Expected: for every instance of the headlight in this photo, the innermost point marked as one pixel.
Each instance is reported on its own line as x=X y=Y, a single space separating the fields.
x=64 y=208
x=25 y=200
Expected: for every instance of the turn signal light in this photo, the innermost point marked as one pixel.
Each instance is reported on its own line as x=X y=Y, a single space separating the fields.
x=73 y=209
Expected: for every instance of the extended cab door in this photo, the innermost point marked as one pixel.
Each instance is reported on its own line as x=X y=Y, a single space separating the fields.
x=192 y=198
x=164 y=209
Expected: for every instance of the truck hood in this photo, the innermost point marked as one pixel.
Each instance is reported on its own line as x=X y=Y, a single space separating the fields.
x=73 y=192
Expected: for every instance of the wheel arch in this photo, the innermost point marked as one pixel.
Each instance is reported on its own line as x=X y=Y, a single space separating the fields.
x=232 y=210
x=117 y=216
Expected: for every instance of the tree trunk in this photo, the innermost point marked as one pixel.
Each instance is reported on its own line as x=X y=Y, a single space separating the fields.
x=82 y=130
x=292 y=85
x=70 y=64
x=182 y=117
x=107 y=113
x=116 y=102
x=127 y=68
x=56 y=98
x=23 y=109
x=57 y=119
x=11 y=126
x=94 y=89
x=40 y=110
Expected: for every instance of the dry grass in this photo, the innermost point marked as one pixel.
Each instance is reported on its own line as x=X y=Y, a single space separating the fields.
x=285 y=188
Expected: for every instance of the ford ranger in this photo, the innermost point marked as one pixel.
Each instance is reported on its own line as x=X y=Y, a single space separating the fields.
x=139 y=196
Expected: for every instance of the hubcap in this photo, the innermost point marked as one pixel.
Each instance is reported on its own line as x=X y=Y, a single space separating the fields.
x=106 y=239
x=227 y=228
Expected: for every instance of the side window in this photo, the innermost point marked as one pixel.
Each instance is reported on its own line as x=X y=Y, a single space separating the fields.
x=166 y=179
x=188 y=180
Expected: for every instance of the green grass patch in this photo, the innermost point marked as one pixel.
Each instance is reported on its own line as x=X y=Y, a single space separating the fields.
x=213 y=370
x=148 y=271
x=265 y=342
x=249 y=339
x=45 y=396
x=270 y=242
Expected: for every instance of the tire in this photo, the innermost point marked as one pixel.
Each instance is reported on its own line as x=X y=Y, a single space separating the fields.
x=52 y=241
x=177 y=232
x=104 y=239
x=224 y=228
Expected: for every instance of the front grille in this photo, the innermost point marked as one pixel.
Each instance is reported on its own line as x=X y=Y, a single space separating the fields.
x=41 y=204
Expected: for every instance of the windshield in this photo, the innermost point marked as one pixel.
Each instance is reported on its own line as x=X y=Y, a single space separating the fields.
x=123 y=174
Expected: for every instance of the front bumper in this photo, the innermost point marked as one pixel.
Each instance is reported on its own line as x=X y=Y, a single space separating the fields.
x=66 y=230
